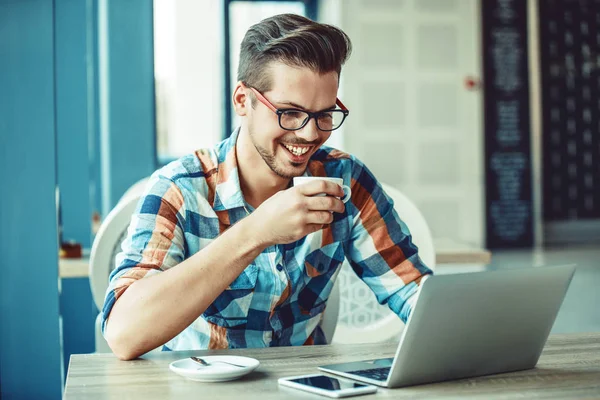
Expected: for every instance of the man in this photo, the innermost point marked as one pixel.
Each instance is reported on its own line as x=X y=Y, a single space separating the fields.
x=231 y=254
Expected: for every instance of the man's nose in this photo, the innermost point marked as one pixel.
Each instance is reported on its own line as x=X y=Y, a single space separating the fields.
x=309 y=132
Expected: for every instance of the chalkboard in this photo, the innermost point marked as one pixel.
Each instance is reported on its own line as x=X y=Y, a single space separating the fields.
x=507 y=132
x=570 y=70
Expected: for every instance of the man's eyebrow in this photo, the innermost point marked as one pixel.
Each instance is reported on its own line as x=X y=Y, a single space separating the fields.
x=303 y=108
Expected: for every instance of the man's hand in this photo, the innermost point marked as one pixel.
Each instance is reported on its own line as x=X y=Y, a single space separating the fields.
x=291 y=214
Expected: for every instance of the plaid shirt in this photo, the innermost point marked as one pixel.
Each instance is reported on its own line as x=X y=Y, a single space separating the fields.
x=279 y=299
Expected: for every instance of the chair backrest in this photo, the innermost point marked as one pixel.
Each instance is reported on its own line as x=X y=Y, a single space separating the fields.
x=353 y=314
x=107 y=244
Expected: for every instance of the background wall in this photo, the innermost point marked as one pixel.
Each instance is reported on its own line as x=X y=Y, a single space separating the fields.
x=413 y=121
x=569 y=43
x=29 y=239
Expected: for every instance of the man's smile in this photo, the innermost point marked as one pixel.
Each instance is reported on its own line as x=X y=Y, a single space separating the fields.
x=297 y=150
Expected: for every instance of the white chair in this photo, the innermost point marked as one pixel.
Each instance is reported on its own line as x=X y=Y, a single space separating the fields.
x=353 y=314
x=107 y=244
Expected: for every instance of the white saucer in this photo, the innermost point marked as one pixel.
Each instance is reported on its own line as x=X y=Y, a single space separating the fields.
x=217 y=371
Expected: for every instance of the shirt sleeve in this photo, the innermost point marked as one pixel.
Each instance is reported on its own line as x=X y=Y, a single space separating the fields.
x=154 y=242
x=380 y=249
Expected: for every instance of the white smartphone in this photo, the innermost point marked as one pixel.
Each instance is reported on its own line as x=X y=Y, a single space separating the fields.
x=327 y=386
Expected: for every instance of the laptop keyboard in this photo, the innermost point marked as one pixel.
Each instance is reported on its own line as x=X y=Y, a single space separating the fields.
x=378 y=374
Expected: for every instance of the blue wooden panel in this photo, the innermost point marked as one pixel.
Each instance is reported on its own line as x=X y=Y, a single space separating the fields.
x=227 y=117
x=28 y=243
x=78 y=313
x=126 y=80
x=94 y=101
x=72 y=114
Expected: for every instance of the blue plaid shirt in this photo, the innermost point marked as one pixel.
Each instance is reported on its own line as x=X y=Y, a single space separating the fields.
x=279 y=299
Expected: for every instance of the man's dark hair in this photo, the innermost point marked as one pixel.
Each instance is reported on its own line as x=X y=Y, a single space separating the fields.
x=295 y=41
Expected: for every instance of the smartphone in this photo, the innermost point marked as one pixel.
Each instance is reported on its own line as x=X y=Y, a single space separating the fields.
x=327 y=386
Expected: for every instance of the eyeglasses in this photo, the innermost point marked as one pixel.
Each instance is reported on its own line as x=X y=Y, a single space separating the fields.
x=293 y=119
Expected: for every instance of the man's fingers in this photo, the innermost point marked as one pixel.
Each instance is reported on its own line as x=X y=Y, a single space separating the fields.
x=319 y=217
x=325 y=203
x=320 y=186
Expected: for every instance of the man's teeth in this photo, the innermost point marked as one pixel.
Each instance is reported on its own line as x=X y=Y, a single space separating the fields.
x=297 y=151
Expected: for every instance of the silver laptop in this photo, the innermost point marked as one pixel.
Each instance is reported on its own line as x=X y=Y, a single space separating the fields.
x=467 y=325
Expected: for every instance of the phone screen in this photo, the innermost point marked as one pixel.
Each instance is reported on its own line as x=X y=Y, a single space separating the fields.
x=327 y=383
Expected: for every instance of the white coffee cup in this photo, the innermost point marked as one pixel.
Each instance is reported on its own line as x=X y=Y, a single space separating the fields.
x=299 y=180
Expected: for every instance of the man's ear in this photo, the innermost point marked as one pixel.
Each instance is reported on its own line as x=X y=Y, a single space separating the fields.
x=241 y=101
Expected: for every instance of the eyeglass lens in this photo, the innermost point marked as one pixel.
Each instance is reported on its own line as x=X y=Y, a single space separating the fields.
x=326 y=120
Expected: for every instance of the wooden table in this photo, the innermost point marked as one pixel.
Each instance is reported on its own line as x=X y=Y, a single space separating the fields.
x=449 y=251
x=74 y=267
x=568 y=369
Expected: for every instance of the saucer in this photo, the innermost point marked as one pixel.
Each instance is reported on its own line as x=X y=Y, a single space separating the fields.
x=215 y=372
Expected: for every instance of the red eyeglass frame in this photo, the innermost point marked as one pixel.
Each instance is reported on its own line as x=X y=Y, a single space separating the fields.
x=280 y=111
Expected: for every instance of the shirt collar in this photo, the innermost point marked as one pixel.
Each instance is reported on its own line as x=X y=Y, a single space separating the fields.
x=228 y=193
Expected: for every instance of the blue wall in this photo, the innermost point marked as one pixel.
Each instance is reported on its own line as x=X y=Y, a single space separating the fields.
x=54 y=129
x=104 y=106
x=78 y=313
x=76 y=159
x=94 y=165
x=73 y=122
x=126 y=91
x=28 y=243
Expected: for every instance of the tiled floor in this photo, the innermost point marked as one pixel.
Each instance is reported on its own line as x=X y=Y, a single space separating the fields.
x=580 y=311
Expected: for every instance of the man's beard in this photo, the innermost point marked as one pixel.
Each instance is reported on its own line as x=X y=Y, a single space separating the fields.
x=271 y=160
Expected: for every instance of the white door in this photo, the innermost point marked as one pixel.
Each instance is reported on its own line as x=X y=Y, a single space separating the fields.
x=413 y=120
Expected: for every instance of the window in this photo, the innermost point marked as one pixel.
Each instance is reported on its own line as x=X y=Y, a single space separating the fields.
x=242 y=15
x=194 y=76
x=188 y=76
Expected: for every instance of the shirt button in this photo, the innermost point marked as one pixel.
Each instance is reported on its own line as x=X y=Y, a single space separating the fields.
x=279 y=267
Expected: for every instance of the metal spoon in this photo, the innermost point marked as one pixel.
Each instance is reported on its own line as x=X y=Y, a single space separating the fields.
x=206 y=363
